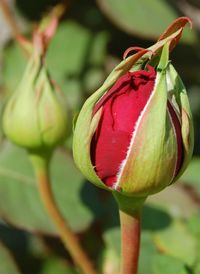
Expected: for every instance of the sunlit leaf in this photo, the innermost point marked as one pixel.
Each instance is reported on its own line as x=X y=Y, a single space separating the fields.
x=176 y=241
x=54 y=265
x=144 y=18
x=168 y=265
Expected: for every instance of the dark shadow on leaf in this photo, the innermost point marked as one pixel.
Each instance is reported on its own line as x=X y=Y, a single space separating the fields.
x=34 y=10
x=17 y=241
x=154 y=218
x=105 y=210
x=189 y=270
x=101 y=203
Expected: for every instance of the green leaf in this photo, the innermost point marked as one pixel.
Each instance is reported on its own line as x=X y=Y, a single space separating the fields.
x=168 y=265
x=147 y=250
x=144 y=18
x=71 y=51
x=147 y=253
x=14 y=63
x=7 y=264
x=113 y=240
x=20 y=202
x=196 y=267
x=109 y=261
x=66 y=58
x=191 y=175
x=175 y=201
x=178 y=242
x=194 y=225
x=155 y=218
x=54 y=265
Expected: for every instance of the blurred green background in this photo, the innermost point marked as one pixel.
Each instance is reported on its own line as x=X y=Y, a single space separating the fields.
x=90 y=41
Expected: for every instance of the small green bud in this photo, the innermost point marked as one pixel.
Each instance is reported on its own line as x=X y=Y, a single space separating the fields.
x=35 y=116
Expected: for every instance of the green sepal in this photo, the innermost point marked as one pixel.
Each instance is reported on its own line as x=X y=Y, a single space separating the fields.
x=128 y=204
x=164 y=58
x=180 y=97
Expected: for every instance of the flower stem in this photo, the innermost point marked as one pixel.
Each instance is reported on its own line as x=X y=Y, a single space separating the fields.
x=70 y=241
x=130 y=241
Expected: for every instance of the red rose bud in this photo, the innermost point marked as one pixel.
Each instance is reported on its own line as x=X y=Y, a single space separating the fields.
x=136 y=131
x=122 y=107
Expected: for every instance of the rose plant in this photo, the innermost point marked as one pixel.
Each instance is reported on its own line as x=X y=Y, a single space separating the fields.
x=136 y=133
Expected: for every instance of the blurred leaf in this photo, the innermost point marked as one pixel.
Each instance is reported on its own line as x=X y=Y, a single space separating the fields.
x=168 y=265
x=109 y=262
x=177 y=241
x=20 y=202
x=92 y=79
x=155 y=218
x=56 y=266
x=147 y=250
x=147 y=253
x=175 y=200
x=15 y=240
x=191 y=175
x=66 y=57
x=194 y=225
x=196 y=267
x=14 y=62
x=98 y=49
x=72 y=51
x=7 y=264
x=194 y=97
x=144 y=18
x=113 y=240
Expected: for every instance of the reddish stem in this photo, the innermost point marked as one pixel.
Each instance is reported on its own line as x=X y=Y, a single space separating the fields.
x=130 y=241
x=70 y=241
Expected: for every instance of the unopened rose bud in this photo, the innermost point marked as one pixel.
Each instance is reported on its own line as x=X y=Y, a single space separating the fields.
x=35 y=116
x=135 y=135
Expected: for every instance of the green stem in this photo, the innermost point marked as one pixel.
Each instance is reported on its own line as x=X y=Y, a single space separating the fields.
x=130 y=241
x=70 y=241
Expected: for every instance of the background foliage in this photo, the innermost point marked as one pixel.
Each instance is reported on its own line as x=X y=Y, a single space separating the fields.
x=90 y=41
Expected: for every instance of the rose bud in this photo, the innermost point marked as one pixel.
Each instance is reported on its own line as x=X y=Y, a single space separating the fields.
x=135 y=135
x=35 y=116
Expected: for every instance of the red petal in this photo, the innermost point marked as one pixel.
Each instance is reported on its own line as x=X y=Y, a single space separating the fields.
x=122 y=105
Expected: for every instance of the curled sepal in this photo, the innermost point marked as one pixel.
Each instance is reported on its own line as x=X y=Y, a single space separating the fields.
x=176 y=25
x=35 y=116
x=171 y=35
